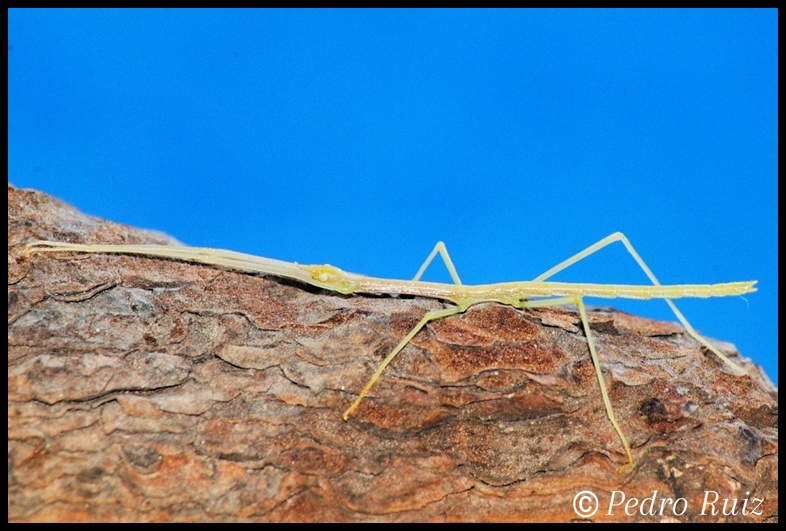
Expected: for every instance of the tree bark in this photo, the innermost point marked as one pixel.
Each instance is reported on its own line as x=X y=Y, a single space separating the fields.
x=144 y=389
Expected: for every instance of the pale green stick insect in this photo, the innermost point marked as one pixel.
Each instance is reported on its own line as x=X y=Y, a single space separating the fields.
x=537 y=293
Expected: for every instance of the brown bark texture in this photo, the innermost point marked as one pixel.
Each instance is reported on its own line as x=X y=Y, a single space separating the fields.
x=144 y=389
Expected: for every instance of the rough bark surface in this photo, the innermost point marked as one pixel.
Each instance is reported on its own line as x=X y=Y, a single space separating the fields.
x=144 y=389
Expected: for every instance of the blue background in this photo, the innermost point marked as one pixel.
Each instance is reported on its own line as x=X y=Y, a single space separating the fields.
x=360 y=138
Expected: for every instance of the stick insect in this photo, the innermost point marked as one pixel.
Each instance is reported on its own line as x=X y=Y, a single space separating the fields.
x=537 y=293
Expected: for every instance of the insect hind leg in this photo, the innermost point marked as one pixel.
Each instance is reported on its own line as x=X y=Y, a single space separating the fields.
x=560 y=301
x=619 y=237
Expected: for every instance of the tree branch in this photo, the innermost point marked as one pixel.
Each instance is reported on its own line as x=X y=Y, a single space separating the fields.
x=154 y=390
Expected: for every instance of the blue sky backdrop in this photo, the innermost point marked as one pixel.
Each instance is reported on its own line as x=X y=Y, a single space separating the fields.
x=360 y=138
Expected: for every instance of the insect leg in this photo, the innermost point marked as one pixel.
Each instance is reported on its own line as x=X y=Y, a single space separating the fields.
x=558 y=301
x=618 y=236
x=443 y=252
x=437 y=314
x=430 y=316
